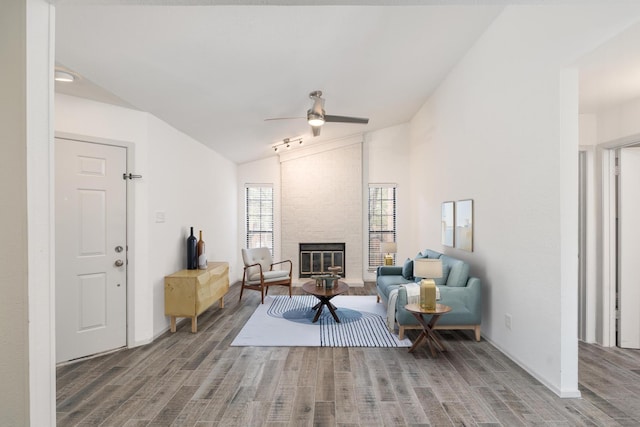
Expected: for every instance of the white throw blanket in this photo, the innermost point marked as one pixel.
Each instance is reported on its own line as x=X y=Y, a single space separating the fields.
x=413 y=297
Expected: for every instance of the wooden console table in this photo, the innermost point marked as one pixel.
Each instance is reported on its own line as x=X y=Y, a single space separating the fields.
x=188 y=293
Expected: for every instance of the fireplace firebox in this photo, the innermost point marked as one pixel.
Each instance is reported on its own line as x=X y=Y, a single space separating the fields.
x=316 y=258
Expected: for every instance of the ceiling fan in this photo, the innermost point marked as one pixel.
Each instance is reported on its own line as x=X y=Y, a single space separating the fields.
x=316 y=116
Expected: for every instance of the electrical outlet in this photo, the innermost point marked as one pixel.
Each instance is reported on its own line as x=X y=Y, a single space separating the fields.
x=507 y=321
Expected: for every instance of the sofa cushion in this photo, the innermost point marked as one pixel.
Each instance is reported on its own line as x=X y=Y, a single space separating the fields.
x=407 y=269
x=428 y=253
x=445 y=275
x=459 y=271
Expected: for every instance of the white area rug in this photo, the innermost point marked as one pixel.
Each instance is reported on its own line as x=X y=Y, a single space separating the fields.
x=286 y=322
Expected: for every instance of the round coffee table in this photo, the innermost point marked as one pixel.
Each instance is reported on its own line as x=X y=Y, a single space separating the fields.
x=325 y=295
x=427 y=328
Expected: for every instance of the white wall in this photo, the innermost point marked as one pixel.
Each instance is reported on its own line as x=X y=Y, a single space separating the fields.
x=190 y=183
x=322 y=201
x=503 y=130
x=386 y=159
x=619 y=122
x=27 y=390
x=265 y=171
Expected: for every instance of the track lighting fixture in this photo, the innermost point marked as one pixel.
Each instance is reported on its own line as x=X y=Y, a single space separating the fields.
x=286 y=143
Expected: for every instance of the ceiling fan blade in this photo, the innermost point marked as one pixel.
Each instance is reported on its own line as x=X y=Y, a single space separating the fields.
x=345 y=119
x=316 y=130
x=284 y=118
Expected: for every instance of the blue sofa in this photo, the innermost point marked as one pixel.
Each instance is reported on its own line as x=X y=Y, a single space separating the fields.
x=457 y=290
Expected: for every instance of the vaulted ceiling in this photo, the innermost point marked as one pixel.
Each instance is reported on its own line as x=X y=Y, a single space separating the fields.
x=217 y=72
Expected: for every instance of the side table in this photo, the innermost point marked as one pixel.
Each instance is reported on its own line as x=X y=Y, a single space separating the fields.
x=427 y=327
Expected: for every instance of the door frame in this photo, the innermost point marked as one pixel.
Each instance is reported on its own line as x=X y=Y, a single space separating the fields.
x=130 y=228
x=609 y=252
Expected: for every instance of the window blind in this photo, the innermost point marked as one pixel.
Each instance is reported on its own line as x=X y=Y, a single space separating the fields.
x=382 y=220
x=259 y=216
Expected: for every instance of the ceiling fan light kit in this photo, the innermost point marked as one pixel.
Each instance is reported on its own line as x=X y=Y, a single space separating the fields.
x=315 y=119
x=316 y=116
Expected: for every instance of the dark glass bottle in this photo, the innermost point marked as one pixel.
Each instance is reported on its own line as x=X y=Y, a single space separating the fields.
x=192 y=252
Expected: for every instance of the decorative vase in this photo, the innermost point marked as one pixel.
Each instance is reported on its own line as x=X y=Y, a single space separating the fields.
x=192 y=252
x=202 y=255
x=428 y=294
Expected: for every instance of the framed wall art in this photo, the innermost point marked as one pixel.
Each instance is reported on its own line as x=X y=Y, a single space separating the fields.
x=448 y=223
x=464 y=225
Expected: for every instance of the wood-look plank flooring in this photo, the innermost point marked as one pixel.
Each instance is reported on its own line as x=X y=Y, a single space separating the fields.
x=186 y=379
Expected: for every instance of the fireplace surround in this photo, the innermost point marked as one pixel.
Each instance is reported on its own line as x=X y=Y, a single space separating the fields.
x=316 y=258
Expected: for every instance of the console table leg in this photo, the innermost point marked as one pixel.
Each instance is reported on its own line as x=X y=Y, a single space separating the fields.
x=194 y=324
x=173 y=323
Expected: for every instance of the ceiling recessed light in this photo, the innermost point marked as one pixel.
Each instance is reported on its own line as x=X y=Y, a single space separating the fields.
x=63 y=76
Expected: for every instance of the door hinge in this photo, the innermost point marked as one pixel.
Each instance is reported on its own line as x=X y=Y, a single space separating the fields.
x=130 y=176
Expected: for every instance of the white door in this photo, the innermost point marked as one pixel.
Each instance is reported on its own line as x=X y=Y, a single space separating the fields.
x=629 y=248
x=91 y=248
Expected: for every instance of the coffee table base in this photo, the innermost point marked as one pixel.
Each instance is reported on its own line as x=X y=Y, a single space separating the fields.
x=324 y=301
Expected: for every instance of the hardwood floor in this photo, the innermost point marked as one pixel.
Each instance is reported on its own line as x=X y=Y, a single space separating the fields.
x=186 y=379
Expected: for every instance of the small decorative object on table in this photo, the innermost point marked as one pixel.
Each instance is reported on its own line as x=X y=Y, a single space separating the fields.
x=388 y=248
x=192 y=252
x=202 y=254
x=428 y=269
x=328 y=280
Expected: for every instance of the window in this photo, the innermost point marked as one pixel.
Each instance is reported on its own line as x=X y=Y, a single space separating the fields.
x=382 y=220
x=259 y=220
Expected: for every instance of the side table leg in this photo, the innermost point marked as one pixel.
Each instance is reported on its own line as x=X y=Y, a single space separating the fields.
x=194 y=324
x=173 y=323
x=417 y=341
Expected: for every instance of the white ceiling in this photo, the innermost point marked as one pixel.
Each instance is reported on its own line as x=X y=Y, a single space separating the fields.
x=216 y=72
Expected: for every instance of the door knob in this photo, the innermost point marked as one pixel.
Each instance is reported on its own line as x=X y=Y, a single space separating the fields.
x=119 y=263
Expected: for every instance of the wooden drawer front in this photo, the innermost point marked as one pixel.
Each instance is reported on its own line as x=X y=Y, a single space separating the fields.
x=211 y=287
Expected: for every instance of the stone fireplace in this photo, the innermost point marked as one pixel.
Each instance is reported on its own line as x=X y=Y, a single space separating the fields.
x=316 y=258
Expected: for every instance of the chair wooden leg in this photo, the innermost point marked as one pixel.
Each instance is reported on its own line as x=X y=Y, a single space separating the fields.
x=378 y=298
x=262 y=294
x=401 y=332
x=289 y=290
x=241 y=290
x=477 y=330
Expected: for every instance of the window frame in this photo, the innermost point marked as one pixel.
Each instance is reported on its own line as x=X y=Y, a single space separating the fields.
x=375 y=257
x=265 y=217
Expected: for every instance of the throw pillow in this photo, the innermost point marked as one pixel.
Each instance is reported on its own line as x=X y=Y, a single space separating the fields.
x=407 y=269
